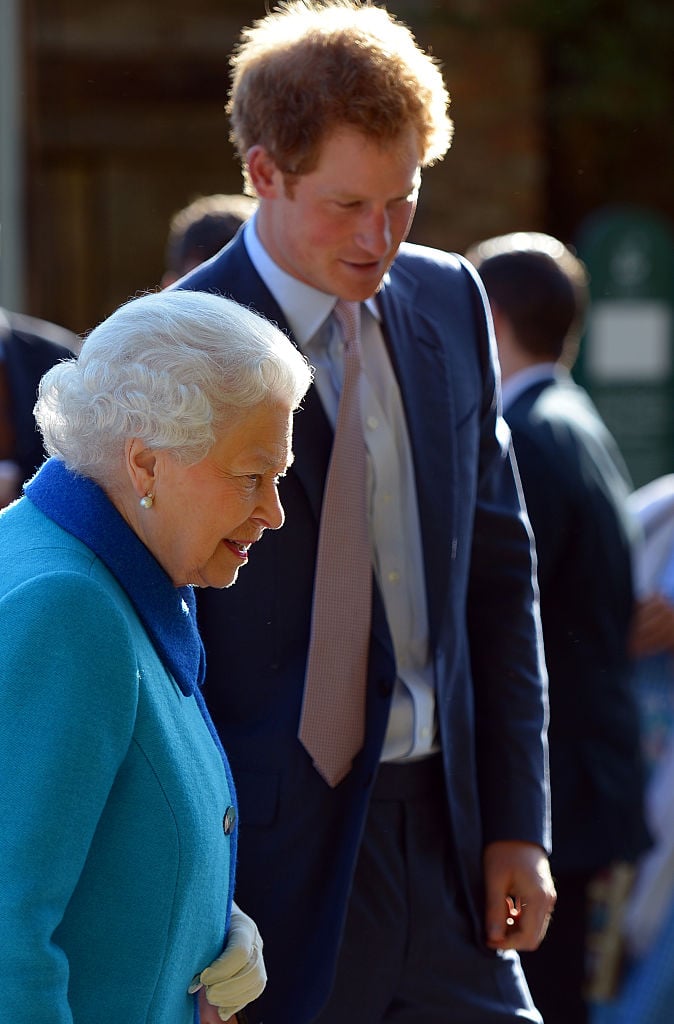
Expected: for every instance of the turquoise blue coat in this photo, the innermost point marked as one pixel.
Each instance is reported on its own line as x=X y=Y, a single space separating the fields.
x=114 y=864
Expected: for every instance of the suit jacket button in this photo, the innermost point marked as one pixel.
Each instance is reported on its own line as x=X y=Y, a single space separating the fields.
x=229 y=820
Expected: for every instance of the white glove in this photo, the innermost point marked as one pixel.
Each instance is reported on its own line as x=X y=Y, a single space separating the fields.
x=238 y=976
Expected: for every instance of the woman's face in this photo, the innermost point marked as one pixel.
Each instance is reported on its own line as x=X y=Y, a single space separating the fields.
x=205 y=517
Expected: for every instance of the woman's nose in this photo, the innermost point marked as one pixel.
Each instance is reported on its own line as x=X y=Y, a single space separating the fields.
x=271 y=511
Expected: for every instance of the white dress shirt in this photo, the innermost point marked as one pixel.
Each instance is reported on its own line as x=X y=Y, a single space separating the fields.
x=398 y=564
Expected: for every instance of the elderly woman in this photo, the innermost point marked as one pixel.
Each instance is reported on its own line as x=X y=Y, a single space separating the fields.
x=168 y=435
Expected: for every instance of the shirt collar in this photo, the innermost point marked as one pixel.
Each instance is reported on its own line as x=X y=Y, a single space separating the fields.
x=519 y=382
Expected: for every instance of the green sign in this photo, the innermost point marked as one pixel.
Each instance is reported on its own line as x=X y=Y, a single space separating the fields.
x=627 y=355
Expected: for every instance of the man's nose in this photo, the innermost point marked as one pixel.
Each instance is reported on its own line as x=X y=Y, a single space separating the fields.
x=374 y=234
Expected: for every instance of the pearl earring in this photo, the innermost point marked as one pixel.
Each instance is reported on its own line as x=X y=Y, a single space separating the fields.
x=147 y=500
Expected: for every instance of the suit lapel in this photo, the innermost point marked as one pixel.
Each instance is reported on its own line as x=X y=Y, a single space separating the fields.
x=421 y=368
x=420 y=365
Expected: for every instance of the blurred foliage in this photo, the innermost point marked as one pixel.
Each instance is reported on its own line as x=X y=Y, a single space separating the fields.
x=609 y=68
x=612 y=59
x=607 y=101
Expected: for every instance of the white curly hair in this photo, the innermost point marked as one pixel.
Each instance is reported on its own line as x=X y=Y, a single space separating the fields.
x=171 y=368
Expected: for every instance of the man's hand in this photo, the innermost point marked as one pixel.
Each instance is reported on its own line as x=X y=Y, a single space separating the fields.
x=652 y=628
x=520 y=895
x=209 y=1014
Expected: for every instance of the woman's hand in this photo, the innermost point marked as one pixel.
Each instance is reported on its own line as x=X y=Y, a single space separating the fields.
x=237 y=977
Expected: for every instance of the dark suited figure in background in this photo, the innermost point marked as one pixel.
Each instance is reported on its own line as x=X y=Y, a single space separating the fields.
x=28 y=348
x=382 y=886
x=575 y=487
x=201 y=229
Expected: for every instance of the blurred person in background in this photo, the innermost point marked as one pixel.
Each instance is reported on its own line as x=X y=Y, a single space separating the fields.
x=652 y=639
x=201 y=229
x=28 y=348
x=646 y=990
x=576 y=489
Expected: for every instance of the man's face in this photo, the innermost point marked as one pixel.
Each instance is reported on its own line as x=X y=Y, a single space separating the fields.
x=342 y=226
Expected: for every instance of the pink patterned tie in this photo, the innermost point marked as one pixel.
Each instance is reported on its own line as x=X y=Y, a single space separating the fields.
x=332 y=725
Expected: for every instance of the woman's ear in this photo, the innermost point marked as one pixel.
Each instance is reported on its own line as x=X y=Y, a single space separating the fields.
x=140 y=463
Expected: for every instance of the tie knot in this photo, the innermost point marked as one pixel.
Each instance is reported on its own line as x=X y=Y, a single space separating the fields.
x=347 y=315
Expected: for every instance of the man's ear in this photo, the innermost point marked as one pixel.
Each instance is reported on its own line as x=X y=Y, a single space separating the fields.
x=265 y=176
x=140 y=463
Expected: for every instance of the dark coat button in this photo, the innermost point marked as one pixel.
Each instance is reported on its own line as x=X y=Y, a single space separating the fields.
x=229 y=820
x=385 y=688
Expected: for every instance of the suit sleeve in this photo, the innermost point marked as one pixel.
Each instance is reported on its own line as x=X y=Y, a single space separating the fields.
x=503 y=622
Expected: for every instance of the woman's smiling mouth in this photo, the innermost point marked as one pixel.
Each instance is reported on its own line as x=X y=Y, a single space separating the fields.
x=237 y=548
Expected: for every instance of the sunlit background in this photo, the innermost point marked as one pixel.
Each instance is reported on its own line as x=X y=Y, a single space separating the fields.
x=112 y=118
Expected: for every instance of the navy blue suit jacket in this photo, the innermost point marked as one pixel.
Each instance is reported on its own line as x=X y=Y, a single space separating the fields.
x=575 y=485
x=299 y=839
x=30 y=347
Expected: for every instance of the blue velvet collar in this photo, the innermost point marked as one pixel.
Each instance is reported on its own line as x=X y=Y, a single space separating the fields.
x=80 y=507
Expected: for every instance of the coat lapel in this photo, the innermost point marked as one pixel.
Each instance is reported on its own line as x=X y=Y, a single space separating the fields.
x=421 y=367
x=422 y=371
